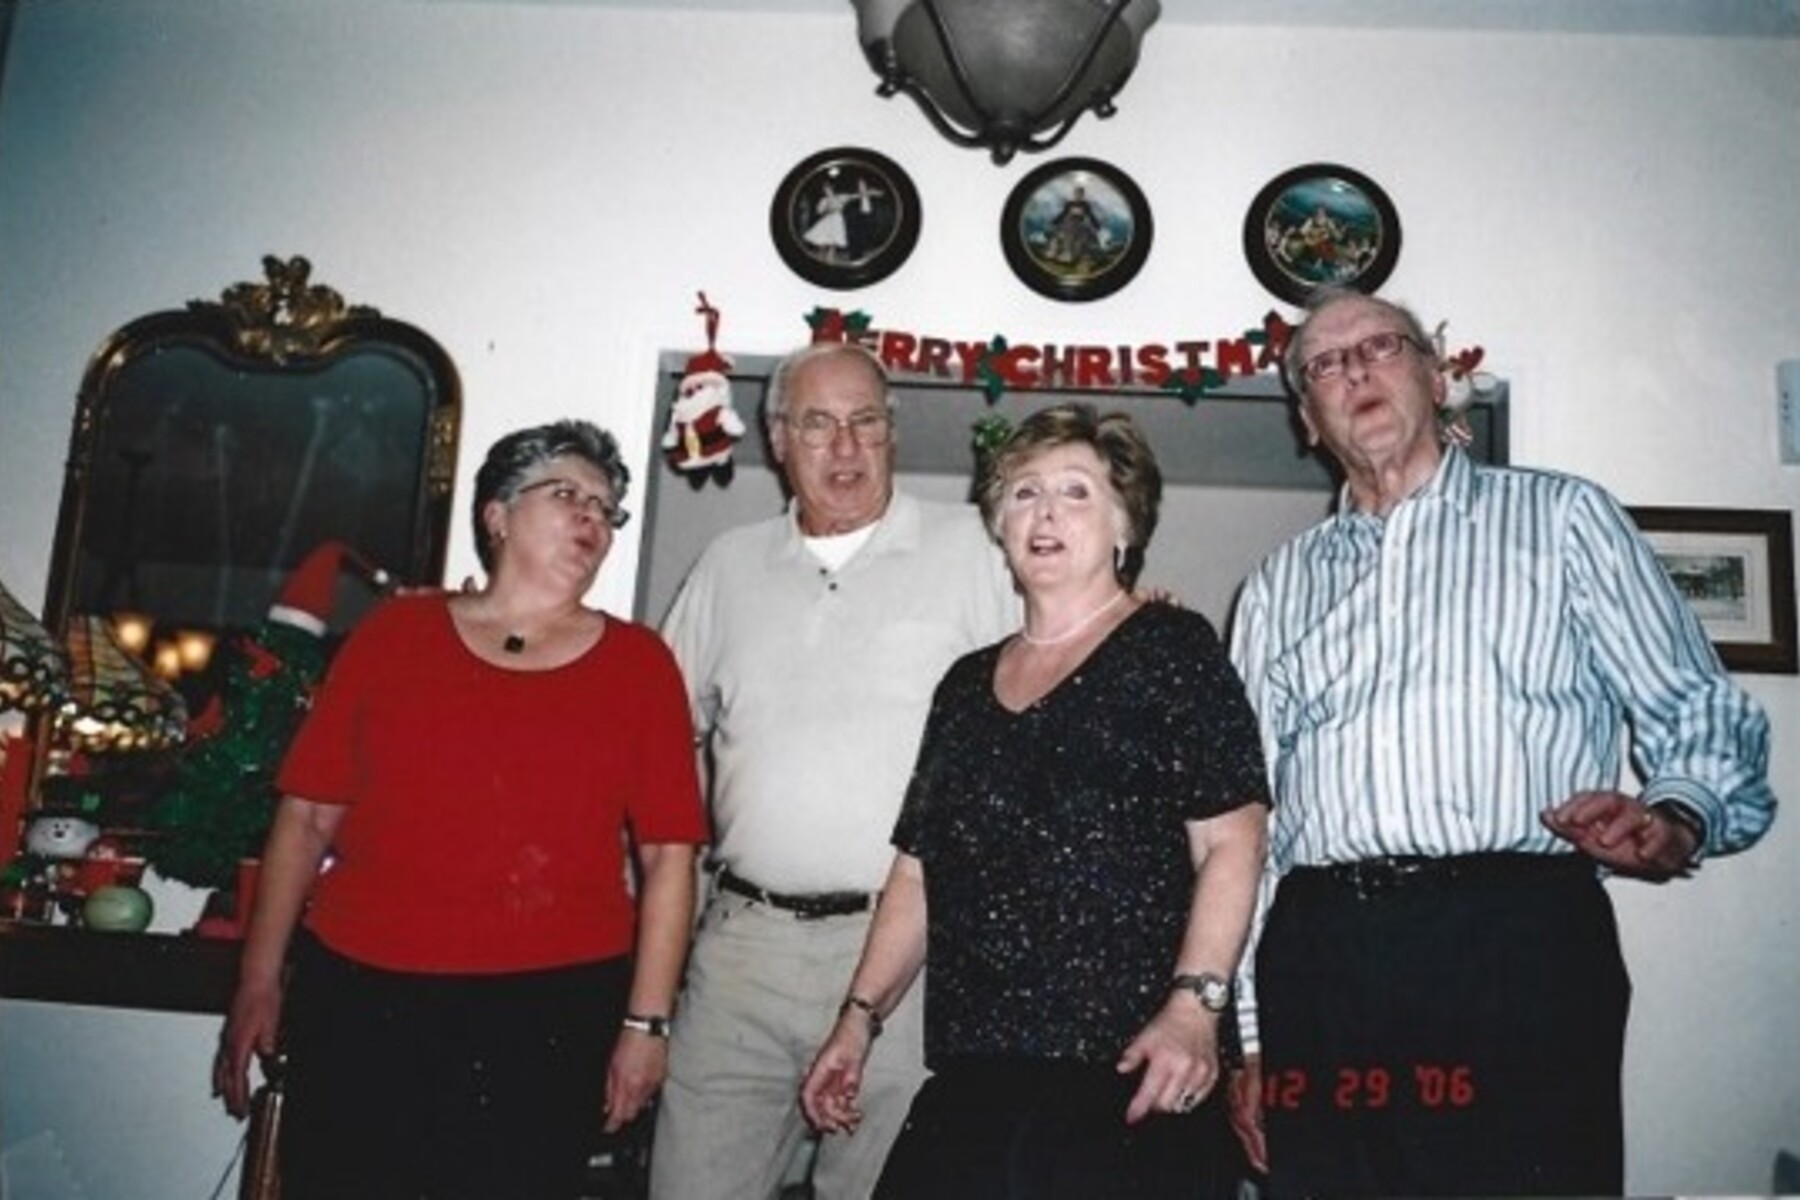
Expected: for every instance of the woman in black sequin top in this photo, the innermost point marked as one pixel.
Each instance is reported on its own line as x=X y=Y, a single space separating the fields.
x=1077 y=861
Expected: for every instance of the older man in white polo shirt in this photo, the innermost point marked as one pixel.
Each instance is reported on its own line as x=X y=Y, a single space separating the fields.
x=811 y=643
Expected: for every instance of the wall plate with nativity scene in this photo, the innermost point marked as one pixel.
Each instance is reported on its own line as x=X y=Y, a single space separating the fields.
x=845 y=218
x=1076 y=229
x=1320 y=225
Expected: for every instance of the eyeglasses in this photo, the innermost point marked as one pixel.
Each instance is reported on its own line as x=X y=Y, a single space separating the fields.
x=819 y=429
x=565 y=493
x=1377 y=347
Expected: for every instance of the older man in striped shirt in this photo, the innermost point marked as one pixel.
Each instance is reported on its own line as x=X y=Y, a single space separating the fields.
x=1444 y=672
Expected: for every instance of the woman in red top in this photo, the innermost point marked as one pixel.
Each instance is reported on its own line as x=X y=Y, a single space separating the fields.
x=474 y=991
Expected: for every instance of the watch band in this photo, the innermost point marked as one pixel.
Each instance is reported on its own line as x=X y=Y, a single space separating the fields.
x=866 y=1008
x=654 y=1026
x=1212 y=990
x=1680 y=814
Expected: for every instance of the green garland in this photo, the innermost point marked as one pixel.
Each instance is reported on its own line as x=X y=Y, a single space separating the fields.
x=222 y=797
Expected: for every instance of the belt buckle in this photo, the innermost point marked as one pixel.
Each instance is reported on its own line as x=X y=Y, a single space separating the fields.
x=1365 y=882
x=831 y=905
x=1373 y=878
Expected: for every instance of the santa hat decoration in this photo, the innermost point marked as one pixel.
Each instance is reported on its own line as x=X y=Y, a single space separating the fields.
x=307 y=598
x=708 y=360
x=702 y=423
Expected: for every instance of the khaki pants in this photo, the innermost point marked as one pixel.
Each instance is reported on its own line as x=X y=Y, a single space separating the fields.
x=762 y=991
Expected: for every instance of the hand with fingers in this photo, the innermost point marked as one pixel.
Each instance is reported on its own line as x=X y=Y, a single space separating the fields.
x=1624 y=833
x=250 y=1030
x=1245 y=1092
x=830 y=1094
x=1178 y=1053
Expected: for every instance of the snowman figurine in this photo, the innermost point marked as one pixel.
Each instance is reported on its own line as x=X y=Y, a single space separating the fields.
x=60 y=837
x=57 y=841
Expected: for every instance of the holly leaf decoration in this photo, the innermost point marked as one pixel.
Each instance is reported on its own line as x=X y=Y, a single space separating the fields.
x=992 y=382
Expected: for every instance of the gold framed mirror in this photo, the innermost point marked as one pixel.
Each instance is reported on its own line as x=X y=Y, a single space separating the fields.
x=219 y=454
x=214 y=446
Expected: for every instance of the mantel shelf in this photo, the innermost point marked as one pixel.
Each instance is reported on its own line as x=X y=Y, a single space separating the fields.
x=163 y=972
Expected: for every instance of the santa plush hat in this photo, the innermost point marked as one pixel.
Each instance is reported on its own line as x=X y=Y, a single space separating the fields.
x=310 y=593
x=707 y=361
x=709 y=366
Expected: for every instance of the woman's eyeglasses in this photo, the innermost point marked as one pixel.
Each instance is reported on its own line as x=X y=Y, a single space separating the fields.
x=565 y=493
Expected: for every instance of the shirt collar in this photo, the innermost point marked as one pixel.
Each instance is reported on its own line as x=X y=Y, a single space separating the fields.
x=897 y=532
x=1452 y=484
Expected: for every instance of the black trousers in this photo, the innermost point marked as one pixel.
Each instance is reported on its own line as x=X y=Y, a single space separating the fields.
x=1023 y=1129
x=407 y=1085
x=1444 y=1037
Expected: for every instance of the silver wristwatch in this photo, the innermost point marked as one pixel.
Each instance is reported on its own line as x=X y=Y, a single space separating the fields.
x=1214 y=991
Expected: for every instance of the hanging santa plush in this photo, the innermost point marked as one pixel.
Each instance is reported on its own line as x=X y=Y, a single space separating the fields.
x=702 y=423
x=223 y=795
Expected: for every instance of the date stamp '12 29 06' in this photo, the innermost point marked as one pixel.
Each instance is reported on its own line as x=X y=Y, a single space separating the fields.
x=1421 y=1086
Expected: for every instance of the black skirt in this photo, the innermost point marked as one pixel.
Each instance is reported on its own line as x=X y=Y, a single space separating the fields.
x=1021 y=1129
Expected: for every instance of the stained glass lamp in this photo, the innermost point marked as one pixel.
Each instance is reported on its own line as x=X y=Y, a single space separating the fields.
x=34 y=670
x=118 y=703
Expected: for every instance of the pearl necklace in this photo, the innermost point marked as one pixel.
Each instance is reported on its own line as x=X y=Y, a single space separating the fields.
x=1074 y=630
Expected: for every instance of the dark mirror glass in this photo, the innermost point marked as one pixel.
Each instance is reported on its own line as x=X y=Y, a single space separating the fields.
x=215 y=447
x=210 y=481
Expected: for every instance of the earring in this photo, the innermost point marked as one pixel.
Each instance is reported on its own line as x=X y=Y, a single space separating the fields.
x=1119 y=553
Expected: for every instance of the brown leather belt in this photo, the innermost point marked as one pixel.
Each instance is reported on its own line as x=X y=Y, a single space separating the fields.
x=808 y=907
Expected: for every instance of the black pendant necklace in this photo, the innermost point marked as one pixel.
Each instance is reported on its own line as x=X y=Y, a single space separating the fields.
x=514 y=643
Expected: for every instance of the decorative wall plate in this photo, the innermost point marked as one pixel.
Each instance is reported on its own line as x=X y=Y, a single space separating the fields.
x=1076 y=229
x=845 y=218
x=1321 y=224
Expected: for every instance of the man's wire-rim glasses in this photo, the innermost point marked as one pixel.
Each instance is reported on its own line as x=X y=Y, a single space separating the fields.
x=1377 y=347
x=816 y=429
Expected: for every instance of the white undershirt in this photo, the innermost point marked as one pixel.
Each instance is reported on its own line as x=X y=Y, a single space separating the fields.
x=836 y=549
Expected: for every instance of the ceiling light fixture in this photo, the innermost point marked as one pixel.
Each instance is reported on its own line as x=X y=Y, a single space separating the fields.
x=998 y=73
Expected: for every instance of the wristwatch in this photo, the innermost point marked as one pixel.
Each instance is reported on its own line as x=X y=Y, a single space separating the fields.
x=654 y=1026
x=855 y=1003
x=1213 y=990
x=1677 y=813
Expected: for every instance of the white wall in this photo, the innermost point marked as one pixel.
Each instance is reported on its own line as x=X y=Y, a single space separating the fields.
x=545 y=188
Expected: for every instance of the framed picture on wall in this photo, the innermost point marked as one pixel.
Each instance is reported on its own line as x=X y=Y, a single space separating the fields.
x=1076 y=229
x=1321 y=224
x=845 y=218
x=1736 y=567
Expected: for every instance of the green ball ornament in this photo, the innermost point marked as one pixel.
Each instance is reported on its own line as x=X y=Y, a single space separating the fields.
x=118 y=908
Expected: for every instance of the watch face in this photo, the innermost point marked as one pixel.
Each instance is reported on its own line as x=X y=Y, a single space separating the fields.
x=1214 y=991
